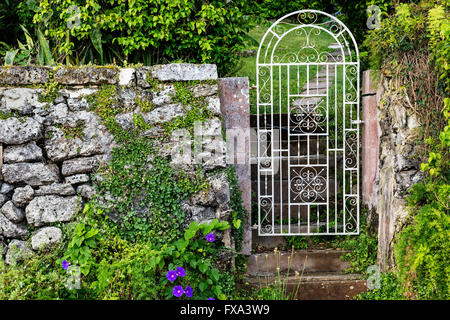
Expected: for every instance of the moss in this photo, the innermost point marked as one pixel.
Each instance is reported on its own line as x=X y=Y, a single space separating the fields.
x=139 y=123
x=73 y=132
x=154 y=83
x=144 y=104
x=6 y=115
x=105 y=102
x=49 y=92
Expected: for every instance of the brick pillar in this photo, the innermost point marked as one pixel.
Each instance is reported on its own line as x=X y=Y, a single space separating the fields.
x=235 y=108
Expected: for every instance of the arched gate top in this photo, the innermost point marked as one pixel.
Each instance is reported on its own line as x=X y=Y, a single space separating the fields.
x=306 y=26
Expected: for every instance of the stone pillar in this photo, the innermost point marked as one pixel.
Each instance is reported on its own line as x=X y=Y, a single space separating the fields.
x=370 y=138
x=235 y=108
x=1 y=160
x=389 y=160
x=370 y=147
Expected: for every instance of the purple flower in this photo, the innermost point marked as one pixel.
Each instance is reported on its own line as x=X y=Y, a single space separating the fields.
x=181 y=272
x=211 y=299
x=171 y=275
x=65 y=264
x=188 y=291
x=210 y=237
x=178 y=291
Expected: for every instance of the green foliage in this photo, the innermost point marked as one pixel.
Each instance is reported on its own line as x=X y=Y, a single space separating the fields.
x=105 y=102
x=239 y=212
x=410 y=45
x=49 y=91
x=145 y=105
x=6 y=115
x=390 y=289
x=145 y=31
x=195 y=109
x=352 y=13
x=84 y=239
x=13 y=14
x=40 y=277
x=402 y=32
x=31 y=51
x=73 y=132
x=422 y=248
x=196 y=255
x=146 y=195
x=363 y=251
x=297 y=242
x=416 y=31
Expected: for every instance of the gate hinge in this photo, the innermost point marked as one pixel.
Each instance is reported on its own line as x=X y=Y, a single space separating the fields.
x=357 y=121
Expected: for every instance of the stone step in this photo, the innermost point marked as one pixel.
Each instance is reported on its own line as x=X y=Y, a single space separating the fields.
x=267 y=243
x=322 y=260
x=334 y=46
x=321 y=286
x=323 y=74
x=294 y=229
x=316 y=84
x=315 y=91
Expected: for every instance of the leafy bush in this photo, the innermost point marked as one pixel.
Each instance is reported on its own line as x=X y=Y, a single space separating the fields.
x=390 y=289
x=412 y=46
x=143 y=31
x=422 y=250
x=352 y=13
x=401 y=48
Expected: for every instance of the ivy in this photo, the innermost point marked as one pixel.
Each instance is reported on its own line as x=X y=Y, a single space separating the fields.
x=239 y=213
x=73 y=132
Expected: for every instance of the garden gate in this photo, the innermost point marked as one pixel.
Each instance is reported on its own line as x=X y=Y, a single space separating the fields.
x=308 y=127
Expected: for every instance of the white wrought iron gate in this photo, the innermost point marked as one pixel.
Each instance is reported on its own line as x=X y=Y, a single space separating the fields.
x=308 y=127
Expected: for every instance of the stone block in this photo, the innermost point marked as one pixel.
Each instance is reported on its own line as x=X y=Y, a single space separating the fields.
x=18 y=75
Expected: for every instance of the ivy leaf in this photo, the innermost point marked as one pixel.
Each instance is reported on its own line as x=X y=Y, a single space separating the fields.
x=189 y=234
x=202 y=286
x=215 y=274
x=181 y=244
x=203 y=267
x=237 y=223
x=91 y=233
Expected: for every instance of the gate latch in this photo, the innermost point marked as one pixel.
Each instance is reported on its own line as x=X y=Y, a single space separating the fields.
x=357 y=121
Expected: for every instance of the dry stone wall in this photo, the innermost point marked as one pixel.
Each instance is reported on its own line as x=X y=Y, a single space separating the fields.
x=51 y=143
x=391 y=161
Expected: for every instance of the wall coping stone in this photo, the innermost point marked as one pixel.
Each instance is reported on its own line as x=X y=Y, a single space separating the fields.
x=99 y=75
x=24 y=75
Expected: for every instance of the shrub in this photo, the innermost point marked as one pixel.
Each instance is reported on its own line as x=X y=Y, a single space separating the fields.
x=144 y=31
x=390 y=289
x=422 y=250
x=412 y=47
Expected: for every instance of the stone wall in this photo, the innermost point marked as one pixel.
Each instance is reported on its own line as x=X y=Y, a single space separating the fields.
x=391 y=164
x=51 y=143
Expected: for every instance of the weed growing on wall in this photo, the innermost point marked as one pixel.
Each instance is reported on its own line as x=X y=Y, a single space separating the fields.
x=412 y=46
x=134 y=231
x=239 y=213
